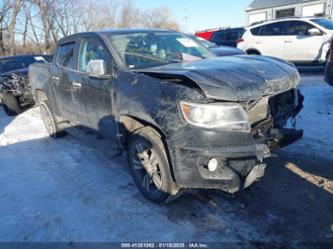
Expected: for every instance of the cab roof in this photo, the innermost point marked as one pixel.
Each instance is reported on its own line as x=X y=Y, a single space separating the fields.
x=114 y=31
x=20 y=56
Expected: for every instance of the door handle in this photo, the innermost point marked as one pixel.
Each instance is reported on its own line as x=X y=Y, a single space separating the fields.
x=76 y=85
x=258 y=42
x=288 y=41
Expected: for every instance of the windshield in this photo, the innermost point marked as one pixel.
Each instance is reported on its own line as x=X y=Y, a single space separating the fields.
x=11 y=64
x=204 y=42
x=327 y=24
x=151 y=49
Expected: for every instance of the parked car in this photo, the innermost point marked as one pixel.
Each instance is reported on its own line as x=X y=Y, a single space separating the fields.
x=302 y=41
x=219 y=50
x=15 y=90
x=187 y=118
x=206 y=34
x=329 y=66
x=227 y=37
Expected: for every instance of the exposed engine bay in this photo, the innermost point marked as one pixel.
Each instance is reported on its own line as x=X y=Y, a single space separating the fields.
x=18 y=85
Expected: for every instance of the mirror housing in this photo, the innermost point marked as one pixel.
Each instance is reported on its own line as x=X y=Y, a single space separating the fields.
x=96 y=67
x=314 y=32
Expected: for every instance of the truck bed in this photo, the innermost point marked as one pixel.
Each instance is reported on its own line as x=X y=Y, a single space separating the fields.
x=40 y=75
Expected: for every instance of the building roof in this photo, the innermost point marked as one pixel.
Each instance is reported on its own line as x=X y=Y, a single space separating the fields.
x=263 y=4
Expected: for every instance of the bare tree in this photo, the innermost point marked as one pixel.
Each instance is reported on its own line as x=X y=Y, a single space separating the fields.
x=5 y=7
x=47 y=16
x=42 y=22
x=159 y=18
x=25 y=31
x=68 y=18
x=11 y=27
x=28 y=6
x=129 y=15
x=107 y=15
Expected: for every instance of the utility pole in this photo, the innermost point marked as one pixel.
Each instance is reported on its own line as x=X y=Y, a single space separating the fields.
x=186 y=18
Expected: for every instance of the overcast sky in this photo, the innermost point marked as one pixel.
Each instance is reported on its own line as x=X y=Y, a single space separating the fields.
x=202 y=14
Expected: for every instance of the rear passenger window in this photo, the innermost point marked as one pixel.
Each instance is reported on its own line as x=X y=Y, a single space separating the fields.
x=65 y=55
x=233 y=36
x=219 y=36
x=273 y=29
x=256 y=31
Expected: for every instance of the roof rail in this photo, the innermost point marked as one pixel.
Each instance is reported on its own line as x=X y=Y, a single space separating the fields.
x=289 y=17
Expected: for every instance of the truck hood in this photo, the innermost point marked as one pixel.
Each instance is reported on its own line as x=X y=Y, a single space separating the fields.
x=235 y=78
x=226 y=51
x=21 y=72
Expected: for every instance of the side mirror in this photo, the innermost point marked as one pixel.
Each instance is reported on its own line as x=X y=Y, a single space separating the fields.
x=314 y=32
x=96 y=67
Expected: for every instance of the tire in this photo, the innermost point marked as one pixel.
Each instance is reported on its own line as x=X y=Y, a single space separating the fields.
x=327 y=58
x=253 y=52
x=11 y=104
x=149 y=166
x=49 y=121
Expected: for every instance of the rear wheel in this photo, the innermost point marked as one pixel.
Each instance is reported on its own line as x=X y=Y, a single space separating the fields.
x=327 y=58
x=252 y=52
x=149 y=166
x=49 y=121
x=11 y=104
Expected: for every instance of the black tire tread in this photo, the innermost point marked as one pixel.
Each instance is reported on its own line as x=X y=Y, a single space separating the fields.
x=11 y=104
x=173 y=190
x=58 y=133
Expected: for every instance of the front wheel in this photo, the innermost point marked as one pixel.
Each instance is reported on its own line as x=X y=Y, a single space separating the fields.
x=49 y=121
x=149 y=166
x=11 y=104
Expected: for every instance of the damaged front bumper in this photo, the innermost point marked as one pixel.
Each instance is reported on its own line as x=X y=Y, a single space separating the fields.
x=239 y=166
x=239 y=155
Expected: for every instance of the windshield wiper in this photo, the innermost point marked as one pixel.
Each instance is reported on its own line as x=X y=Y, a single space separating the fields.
x=154 y=58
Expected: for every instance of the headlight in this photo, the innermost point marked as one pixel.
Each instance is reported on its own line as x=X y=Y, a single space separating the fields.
x=227 y=116
x=295 y=78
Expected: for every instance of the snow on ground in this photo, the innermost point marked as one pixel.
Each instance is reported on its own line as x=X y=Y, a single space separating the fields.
x=78 y=189
x=316 y=118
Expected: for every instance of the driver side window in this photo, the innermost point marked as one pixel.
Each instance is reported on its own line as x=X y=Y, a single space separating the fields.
x=92 y=49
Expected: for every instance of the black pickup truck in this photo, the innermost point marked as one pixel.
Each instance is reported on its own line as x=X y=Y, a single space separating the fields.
x=187 y=118
x=15 y=90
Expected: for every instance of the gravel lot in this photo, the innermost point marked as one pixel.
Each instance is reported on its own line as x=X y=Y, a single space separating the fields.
x=78 y=188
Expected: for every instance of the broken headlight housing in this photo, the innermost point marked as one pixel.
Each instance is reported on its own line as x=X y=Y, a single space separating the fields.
x=226 y=116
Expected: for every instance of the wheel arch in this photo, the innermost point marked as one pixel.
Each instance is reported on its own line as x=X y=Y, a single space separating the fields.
x=39 y=96
x=128 y=124
x=328 y=54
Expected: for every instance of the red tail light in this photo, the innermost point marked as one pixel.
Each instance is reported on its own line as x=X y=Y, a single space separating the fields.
x=239 y=41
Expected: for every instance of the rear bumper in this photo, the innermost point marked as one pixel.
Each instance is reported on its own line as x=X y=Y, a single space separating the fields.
x=240 y=158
